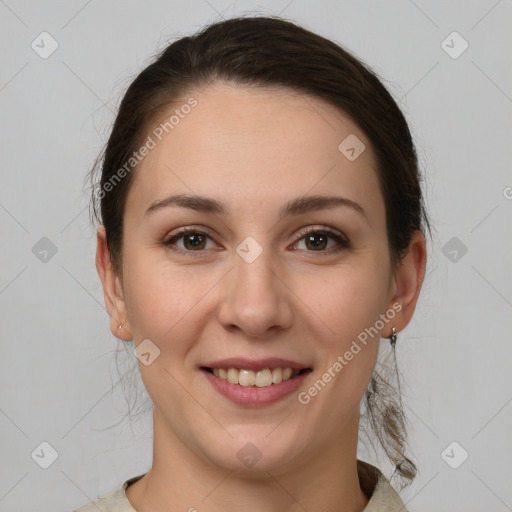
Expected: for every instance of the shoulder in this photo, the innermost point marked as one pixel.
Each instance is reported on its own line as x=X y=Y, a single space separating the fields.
x=116 y=501
x=382 y=496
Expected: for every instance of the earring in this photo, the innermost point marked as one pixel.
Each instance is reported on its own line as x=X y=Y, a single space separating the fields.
x=120 y=326
x=393 y=338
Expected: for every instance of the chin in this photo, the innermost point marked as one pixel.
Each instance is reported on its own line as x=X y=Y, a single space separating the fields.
x=254 y=454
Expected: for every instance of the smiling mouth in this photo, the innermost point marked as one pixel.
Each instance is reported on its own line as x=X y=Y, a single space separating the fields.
x=263 y=378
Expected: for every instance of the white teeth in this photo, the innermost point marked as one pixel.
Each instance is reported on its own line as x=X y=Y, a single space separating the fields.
x=232 y=376
x=261 y=379
x=277 y=375
x=246 y=378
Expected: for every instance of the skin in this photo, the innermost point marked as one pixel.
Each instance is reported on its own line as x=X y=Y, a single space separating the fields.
x=254 y=150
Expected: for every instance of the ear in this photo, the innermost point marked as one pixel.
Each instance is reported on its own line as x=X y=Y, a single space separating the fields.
x=112 y=289
x=407 y=281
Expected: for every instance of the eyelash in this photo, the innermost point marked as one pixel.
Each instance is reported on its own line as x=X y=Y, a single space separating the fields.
x=344 y=243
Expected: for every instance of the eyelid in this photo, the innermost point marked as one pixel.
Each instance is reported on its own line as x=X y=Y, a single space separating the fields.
x=181 y=233
x=340 y=237
x=321 y=229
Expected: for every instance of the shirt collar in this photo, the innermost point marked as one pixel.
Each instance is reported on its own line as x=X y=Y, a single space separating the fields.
x=381 y=495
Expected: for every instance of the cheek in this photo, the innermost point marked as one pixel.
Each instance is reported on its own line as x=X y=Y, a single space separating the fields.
x=347 y=307
x=163 y=301
x=166 y=306
x=347 y=300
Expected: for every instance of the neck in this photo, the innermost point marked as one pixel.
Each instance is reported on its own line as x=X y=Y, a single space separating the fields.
x=182 y=480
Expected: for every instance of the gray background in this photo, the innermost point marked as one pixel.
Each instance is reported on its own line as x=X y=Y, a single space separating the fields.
x=58 y=378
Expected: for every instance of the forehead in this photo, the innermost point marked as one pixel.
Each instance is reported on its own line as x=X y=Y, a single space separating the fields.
x=244 y=144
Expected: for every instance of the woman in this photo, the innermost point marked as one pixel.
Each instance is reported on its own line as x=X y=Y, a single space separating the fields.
x=261 y=230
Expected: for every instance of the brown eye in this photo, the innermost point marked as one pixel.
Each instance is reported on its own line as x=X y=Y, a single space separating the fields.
x=318 y=240
x=193 y=241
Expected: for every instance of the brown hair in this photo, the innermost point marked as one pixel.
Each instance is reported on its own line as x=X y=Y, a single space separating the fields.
x=266 y=52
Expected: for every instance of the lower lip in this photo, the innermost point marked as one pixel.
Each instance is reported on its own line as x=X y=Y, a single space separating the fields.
x=252 y=396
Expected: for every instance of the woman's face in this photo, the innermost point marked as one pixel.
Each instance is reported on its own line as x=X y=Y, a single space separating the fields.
x=249 y=284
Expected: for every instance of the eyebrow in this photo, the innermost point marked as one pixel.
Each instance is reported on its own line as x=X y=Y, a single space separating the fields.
x=296 y=206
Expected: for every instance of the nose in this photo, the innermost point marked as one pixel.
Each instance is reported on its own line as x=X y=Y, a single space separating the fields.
x=255 y=297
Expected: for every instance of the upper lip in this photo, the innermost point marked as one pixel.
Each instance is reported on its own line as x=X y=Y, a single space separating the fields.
x=255 y=364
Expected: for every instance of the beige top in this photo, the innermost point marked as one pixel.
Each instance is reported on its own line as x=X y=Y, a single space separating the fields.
x=382 y=497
